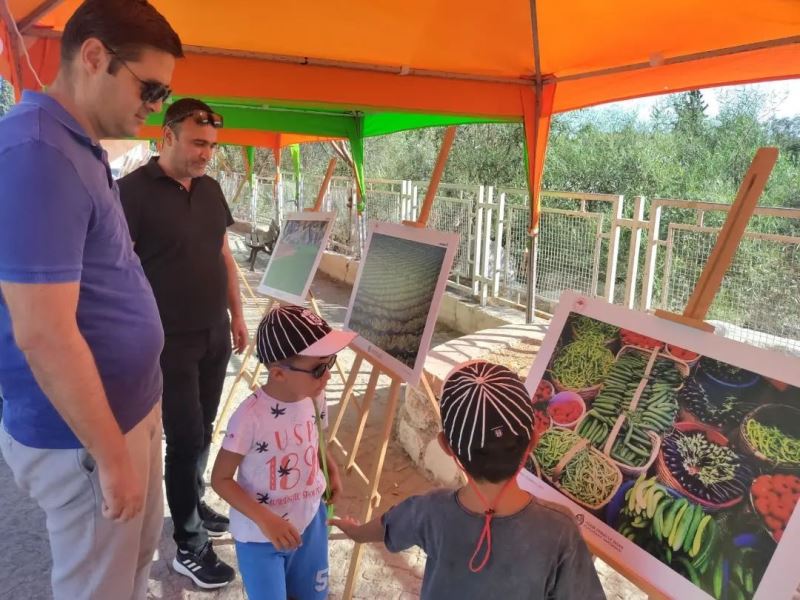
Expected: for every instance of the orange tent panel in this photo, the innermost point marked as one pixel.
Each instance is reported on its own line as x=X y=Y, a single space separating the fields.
x=465 y=58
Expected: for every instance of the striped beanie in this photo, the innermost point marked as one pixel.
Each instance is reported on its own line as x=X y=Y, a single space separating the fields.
x=289 y=330
x=483 y=400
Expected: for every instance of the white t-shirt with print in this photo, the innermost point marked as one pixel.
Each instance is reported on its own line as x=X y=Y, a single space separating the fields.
x=280 y=468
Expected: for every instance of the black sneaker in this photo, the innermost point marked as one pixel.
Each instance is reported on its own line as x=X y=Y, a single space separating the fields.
x=203 y=567
x=215 y=524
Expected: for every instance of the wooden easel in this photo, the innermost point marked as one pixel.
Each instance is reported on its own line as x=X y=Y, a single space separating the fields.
x=727 y=244
x=373 y=479
x=364 y=405
x=252 y=374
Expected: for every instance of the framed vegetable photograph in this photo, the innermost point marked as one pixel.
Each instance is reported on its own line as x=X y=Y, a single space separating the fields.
x=399 y=286
x=677 y=450
x=293 y=264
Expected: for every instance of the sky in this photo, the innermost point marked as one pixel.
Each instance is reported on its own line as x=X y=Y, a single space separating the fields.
x=788 y=90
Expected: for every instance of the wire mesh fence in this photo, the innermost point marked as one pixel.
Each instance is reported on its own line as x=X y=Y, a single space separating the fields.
x=586 y=243
x=759 y=300
x=451 y=214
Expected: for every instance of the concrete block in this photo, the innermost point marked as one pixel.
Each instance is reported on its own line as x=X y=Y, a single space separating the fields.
x=441 y=466
x=411 y=440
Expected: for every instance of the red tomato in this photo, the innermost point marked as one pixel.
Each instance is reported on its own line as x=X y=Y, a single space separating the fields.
x=761 y=487
x=773 y=522
x=564 y=413
x=782 y=483
x=762 y=505
x=783 y=510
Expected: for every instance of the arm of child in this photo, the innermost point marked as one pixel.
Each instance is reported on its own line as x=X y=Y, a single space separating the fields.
x=576 y=576
x=361 y=534
x=282 y=534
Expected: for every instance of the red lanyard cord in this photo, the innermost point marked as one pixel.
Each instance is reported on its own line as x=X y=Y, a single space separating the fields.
x=485 y=538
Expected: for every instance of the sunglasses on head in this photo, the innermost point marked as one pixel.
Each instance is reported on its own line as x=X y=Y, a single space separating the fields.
x=152 y=91
x=318 y=371
x=201 y=117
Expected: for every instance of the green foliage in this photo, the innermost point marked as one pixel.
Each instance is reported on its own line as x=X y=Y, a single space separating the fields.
x=680 y=152
x=6 y=96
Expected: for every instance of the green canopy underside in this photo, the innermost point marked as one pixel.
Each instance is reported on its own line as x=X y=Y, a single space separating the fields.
x=323 y=122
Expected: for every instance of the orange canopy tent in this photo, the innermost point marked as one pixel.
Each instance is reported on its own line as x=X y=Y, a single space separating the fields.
x=385 y=66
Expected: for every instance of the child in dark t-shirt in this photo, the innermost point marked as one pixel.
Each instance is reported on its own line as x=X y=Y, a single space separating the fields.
x=490 y=538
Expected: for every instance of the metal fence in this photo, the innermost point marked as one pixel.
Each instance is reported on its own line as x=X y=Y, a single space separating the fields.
x=759 y=301
x=598 y=244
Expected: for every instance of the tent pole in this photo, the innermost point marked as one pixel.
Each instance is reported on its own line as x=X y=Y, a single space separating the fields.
x=436 y=177
x=37 y=13
x=15 y=51
x=323 y=189
x=533 y=254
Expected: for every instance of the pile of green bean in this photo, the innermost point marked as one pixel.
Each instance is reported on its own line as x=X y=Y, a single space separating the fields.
x=773 y=443
x=588 y=477
x=584 y=327
x=583 y=363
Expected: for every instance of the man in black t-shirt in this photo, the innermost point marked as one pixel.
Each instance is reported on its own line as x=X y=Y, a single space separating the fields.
x=177 y=216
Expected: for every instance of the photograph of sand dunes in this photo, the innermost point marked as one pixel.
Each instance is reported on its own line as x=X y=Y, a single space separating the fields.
x=397 y=293
x=294 y=262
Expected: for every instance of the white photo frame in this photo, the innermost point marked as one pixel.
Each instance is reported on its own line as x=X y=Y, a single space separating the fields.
x=295 y=259
x=781 y=578
x=396 y=296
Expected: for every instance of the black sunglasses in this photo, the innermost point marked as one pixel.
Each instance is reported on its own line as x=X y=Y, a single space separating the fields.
x=318 y=371
x=152 y=91
x=201 y=117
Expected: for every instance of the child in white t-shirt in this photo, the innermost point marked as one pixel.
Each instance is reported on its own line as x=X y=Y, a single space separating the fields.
x=278 y=517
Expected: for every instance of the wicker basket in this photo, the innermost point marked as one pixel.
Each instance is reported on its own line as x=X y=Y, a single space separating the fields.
x=555 y=399
x=629 y=469
x=668 y=478
x=759 y=517
x=777 y=415
x=691 y=363
x=608 y=342
x=588 y=394
x=593 y=507
x=683 y=367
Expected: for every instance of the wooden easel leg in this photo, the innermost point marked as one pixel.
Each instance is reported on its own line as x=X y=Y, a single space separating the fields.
x=366 y=404
x=248 y=353
x=374 y=498
x=315 y=308
x=347 y=393
x=242 y=277
x=226 y=406
x=426 y=385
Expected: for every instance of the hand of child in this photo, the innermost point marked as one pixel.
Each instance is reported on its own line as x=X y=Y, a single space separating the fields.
x=282 y=534
x=348 y=525
x=335 y=487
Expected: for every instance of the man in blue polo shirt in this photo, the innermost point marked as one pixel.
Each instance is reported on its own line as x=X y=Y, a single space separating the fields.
x=80 y=334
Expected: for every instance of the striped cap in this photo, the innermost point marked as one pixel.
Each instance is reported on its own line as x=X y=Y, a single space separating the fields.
x=290 y=330
x=481 y=399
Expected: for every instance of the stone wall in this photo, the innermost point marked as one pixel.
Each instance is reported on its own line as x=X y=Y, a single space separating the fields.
x=418 y=421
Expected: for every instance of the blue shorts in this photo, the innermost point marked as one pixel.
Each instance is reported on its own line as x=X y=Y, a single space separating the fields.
x=300 y=574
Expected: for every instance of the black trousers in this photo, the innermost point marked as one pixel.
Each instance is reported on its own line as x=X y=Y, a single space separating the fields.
x=194 y=366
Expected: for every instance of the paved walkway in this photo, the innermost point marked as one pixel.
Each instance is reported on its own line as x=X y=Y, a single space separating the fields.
x=25 y=562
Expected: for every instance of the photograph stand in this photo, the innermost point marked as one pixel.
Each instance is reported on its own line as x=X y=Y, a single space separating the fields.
x=364 y=404
x=373 y=478
x=706 y=288
x=251 y=374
